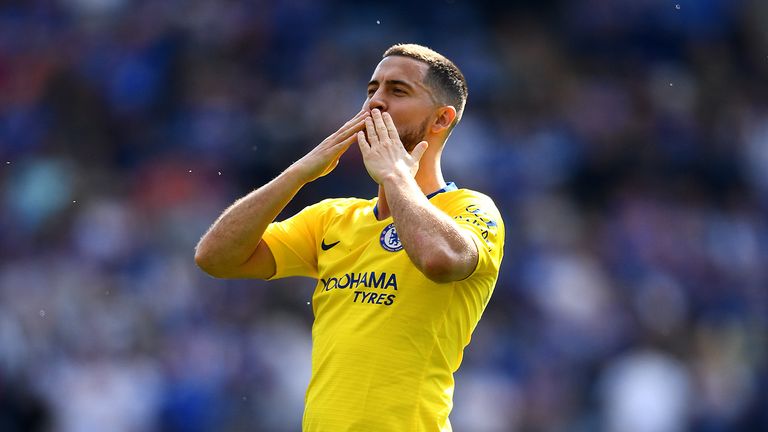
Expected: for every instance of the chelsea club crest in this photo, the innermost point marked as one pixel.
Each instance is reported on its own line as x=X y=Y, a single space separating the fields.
x=389 y=239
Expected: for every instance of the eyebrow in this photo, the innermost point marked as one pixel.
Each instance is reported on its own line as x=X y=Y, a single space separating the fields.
x=393 y=82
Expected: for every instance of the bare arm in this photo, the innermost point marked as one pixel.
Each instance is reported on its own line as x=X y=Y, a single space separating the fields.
x=434 y=242
x=232 y=247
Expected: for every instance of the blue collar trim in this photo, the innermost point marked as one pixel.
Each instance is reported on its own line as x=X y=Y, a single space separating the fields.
x=451 y=186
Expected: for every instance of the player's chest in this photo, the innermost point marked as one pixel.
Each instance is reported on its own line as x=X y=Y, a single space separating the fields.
x=364 y=269
x=347 y=246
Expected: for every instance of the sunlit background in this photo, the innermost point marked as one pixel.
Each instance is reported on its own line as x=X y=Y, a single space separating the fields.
x=624 y=141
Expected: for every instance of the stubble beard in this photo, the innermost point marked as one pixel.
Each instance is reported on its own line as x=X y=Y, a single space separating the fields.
x=411 y=137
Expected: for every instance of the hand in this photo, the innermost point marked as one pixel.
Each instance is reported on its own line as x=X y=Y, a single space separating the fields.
x=383 y=153
x=322 y=159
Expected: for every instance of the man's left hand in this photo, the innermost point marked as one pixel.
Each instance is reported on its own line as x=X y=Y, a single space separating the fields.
x=383 y=152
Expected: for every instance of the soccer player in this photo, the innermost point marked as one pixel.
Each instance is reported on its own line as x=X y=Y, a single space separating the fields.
x=402 y=279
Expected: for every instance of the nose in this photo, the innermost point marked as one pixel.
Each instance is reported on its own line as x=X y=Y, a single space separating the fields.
x=376 y=100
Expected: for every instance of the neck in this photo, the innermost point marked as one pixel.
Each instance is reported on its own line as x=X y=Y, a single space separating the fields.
x=429 y=178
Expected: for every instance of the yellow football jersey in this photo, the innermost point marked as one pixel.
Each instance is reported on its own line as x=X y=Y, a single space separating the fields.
x=386 y=339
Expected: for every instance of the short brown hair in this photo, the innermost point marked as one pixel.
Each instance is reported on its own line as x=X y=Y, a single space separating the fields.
x=443 y=76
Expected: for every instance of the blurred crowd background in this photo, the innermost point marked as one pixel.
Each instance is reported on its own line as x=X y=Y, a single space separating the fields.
x=625 y=143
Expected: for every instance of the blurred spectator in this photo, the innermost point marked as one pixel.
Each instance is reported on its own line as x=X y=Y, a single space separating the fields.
x=645 y=392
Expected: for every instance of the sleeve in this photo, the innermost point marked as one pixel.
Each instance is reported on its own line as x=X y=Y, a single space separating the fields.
x=478 y=216
x=293 y=242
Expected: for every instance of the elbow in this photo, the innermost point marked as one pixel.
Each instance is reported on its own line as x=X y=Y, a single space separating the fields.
x=447 y=265
x=205 y=262
x=258 y=265
x=439 y=268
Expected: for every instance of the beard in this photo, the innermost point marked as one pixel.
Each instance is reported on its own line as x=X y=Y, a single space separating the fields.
x=411 y=137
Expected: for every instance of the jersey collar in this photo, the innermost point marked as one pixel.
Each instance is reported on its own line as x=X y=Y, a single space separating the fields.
x=451 y=186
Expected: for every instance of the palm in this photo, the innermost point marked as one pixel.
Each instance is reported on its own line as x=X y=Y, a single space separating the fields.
x=322 y=159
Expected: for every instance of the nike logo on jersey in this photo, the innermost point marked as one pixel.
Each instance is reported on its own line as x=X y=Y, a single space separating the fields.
x=328 y=246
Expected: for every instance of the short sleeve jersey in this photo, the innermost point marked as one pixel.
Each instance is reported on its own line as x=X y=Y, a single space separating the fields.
x=386 y=339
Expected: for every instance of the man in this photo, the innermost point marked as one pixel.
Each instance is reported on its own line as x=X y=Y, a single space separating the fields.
x=402 y=278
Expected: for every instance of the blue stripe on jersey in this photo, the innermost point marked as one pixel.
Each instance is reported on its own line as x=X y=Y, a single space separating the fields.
x=451 y=186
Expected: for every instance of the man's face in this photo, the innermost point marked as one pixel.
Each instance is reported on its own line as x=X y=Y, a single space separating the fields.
x=397 y=87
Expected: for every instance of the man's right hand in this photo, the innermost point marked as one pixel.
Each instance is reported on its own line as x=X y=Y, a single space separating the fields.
x=232 y=247
x=322 y=159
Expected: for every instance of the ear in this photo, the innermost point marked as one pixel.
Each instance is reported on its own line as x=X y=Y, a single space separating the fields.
x=445 y=116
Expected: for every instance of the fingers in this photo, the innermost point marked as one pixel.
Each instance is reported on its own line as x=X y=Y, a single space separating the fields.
x=342 y=146
x=348 y=141
x=351 y=127
x=381 y=128
x=370 y=130
x=350 y=130
x=336 y=150
x=360 y=114
x=363 y=144
x=357 y=119
x=419 y=150
x=351 y=122
x=390 y=125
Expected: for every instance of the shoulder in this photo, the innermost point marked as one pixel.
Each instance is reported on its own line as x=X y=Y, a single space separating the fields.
x=334 y=207
x=470 y=194
x=466 y=197
x=467 y=205
x=341 y=205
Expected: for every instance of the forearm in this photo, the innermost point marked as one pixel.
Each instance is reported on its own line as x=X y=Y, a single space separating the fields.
x=433 y=241
x=232 y=246
x=236 y=234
